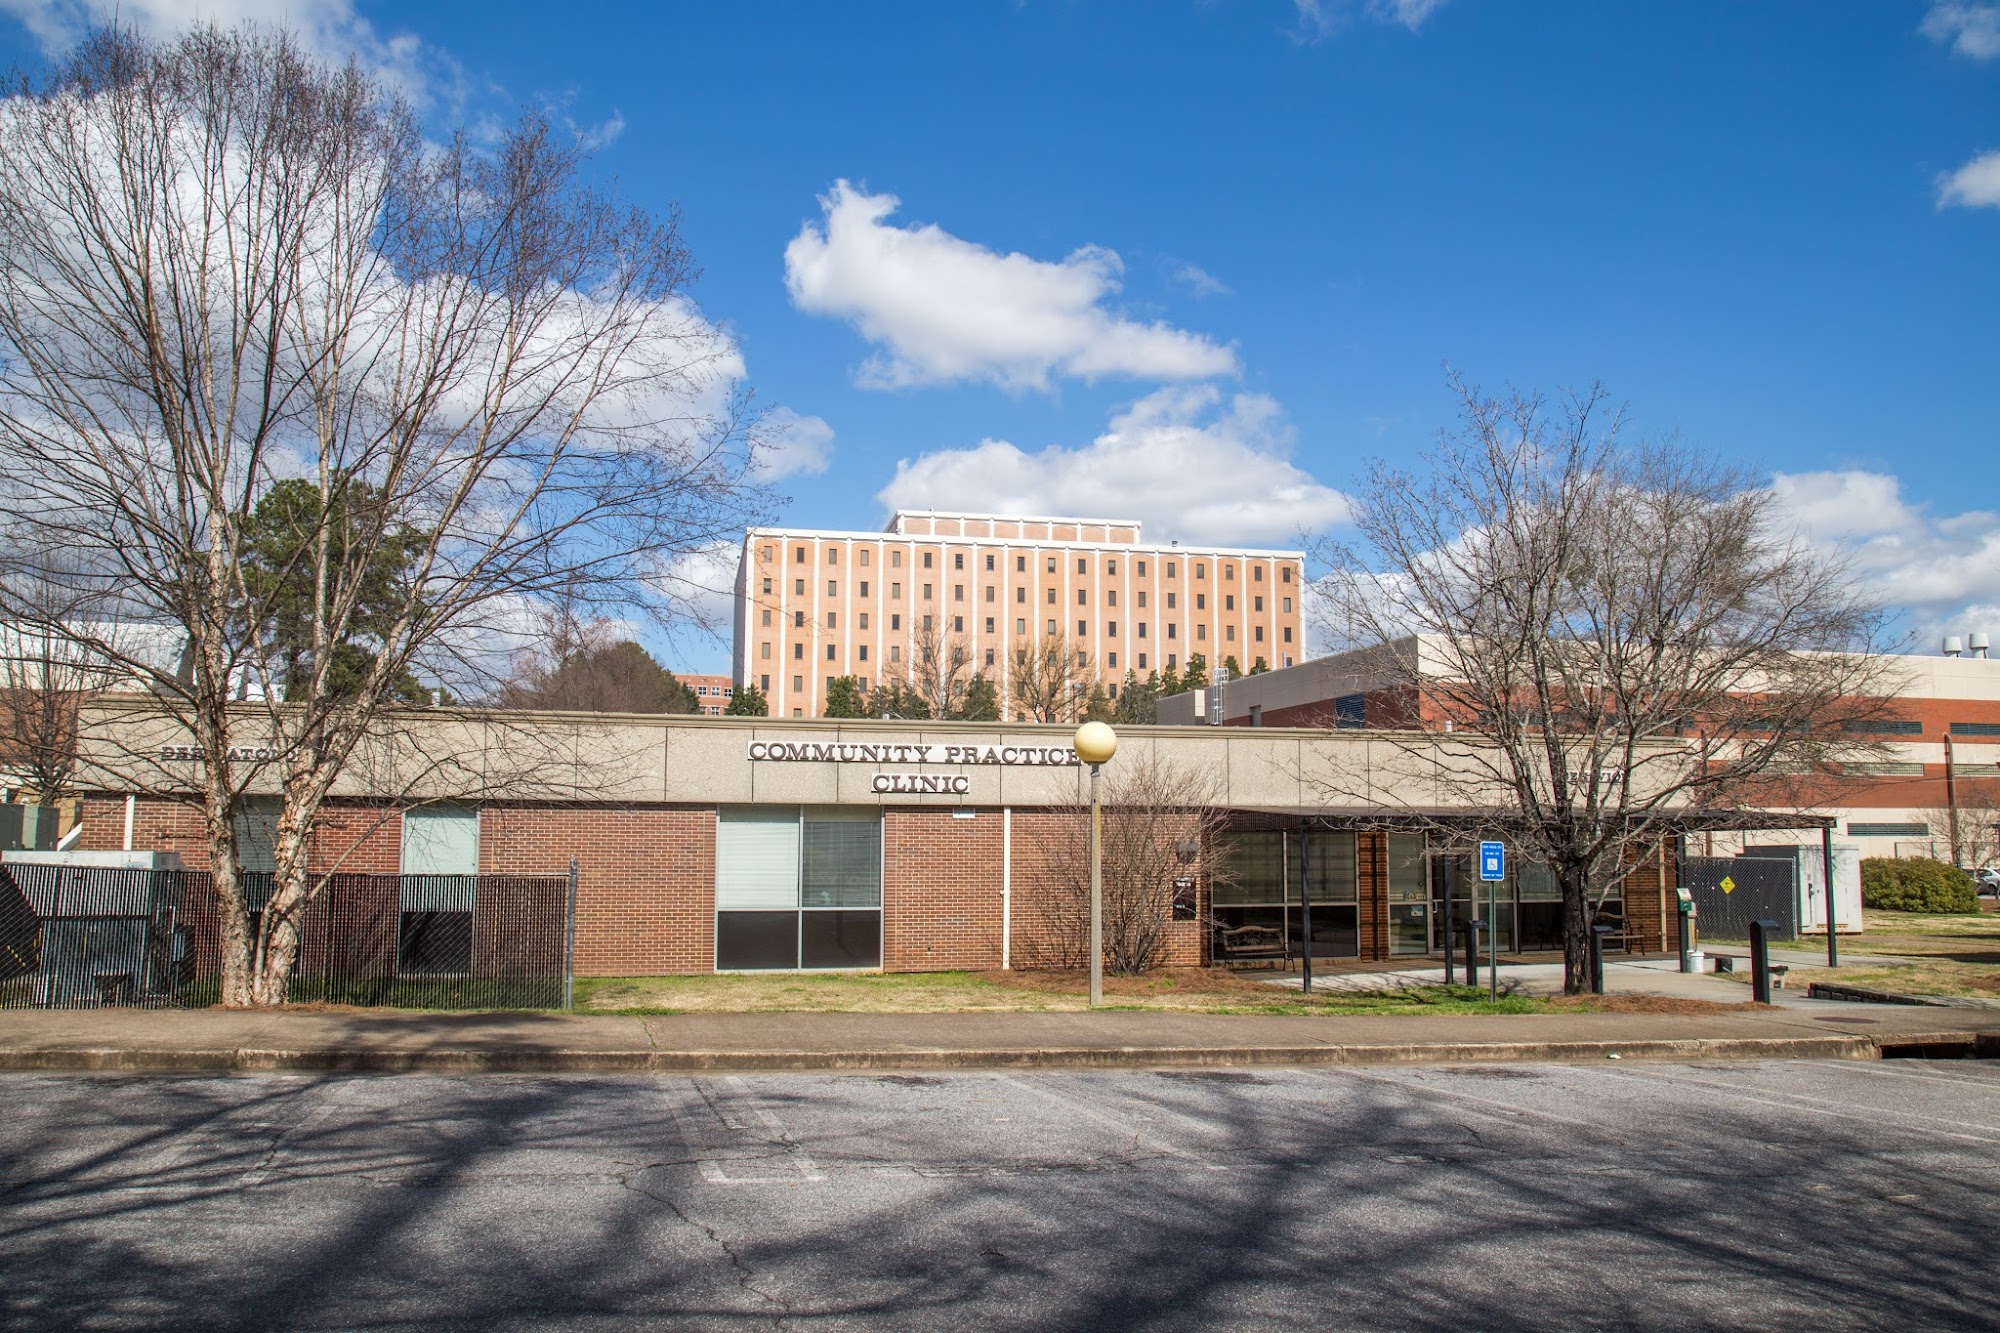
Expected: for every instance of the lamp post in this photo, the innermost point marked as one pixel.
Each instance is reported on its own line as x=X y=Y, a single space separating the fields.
x=1095 y=744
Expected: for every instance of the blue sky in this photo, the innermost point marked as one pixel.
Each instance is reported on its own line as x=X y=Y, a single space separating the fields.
x=1198 y=262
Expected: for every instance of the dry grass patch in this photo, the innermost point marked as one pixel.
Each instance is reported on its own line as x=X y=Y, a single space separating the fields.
x=1185 y=990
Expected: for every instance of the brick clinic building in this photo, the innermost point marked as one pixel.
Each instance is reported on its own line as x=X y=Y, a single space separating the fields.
x=813 y=606
x=1947 y=721
x=706 y=844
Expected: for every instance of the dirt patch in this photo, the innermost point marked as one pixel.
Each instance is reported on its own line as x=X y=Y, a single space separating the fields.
x=1649 y=1004
x=1159 y=984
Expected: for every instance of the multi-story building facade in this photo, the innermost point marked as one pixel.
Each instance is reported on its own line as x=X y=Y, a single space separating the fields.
x=812 y=606
x=712 y=693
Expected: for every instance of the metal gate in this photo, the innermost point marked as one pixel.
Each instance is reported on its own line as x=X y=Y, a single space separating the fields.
x=1732 y=891
x=80 y=936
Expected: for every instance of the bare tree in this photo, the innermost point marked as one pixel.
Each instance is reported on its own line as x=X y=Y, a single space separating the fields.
x=1161 y=821
x=1971 y=827
x=937 y=673
x=1617 y=641
x=225 y=267
x=1048 y=680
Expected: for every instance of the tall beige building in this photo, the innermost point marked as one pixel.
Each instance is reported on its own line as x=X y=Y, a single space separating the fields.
x=813 y=606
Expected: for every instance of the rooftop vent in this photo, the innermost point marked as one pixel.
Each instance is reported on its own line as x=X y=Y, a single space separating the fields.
x=1953 y=645
x=1977 y=642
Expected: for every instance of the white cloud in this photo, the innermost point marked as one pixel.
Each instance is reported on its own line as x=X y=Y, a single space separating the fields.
x=330 y=29
x=1201 y=282
x=788 y=445
x=1942 y=572
x=1322 y=18
x=1970 y=29
x=1974 y=185
x=943 y=309
x=1187 y=462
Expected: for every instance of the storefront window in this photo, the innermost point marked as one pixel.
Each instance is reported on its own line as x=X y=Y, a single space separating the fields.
x=798 y=888
x=1255 y=895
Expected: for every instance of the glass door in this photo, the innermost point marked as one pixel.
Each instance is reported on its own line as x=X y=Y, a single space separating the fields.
x=1458 y=894
x=1409 y=895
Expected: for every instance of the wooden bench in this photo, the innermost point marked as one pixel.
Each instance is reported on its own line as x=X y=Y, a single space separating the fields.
x=1251 y=942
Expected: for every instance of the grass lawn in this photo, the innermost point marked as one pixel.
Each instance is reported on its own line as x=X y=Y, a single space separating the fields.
x=1936 y=954
x=1187 y=990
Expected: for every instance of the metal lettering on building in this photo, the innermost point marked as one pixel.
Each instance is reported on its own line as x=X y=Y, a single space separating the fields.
x=864 y=752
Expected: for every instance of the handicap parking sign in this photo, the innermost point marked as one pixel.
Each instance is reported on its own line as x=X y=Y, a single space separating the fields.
x=1492 y=860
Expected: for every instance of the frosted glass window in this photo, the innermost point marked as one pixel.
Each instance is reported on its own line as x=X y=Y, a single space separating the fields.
x=441 y=840
x=757 y=860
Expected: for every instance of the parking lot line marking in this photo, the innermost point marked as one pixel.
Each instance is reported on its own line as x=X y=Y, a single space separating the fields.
x=1089 y=1112
x=1798 y=1102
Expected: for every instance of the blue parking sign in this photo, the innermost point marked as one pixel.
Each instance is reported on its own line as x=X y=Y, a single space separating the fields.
x=1492 y=860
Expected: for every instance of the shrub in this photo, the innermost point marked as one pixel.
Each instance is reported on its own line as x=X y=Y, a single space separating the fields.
x=1918 y=884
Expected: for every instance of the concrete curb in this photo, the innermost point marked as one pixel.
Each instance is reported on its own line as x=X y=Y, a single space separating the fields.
x=380 y=1060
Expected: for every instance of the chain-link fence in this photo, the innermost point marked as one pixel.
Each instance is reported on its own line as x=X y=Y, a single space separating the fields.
x=77 y=936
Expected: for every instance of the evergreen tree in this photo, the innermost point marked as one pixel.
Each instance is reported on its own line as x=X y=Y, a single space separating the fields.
x=844 y=698
x=1138 y=700
x=1259 y=667
x=982 y=701
x=280 y=571
x=897 y=698
x=1229 y=665
x=1197 y=673
x=1170 y=683
x=748 y=701
x=1097 y=705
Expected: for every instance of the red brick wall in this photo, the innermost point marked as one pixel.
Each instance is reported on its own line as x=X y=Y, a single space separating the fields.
x=357 y=839
x=941 y=888
x=645 y=898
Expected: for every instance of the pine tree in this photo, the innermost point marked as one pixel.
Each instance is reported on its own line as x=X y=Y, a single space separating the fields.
x=1229 y=665
x=1097 y=705
x=1170 y=683
x=844 y=698
x=982 y=701
x=748 y=701
x=1197 y=673
x=1259 y=667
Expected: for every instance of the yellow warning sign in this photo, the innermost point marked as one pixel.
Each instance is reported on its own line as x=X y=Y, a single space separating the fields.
x=1728 y=884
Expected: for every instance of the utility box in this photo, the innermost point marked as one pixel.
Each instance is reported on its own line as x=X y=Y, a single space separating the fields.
x=1811 y=882
x=29 y=828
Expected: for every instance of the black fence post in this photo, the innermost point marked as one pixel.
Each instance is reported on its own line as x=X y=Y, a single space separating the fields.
x=1472 y=925
x=1450 y=940
x=1597 y=934
x=1305 y=911
x=1826 y=870
x=1760 y=961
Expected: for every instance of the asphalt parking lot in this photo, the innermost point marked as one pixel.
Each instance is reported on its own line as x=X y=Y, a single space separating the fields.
x=1831 y=1195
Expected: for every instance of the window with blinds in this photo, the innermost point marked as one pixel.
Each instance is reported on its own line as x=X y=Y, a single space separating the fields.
x=798 y=888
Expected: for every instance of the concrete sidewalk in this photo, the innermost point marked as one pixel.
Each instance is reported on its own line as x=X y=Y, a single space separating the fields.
x=390 y=1041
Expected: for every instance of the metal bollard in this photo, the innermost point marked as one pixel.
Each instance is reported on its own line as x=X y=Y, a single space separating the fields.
x=1450 y=928
x=1760 y=960
x=1597 y=934
x=1472 y=928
